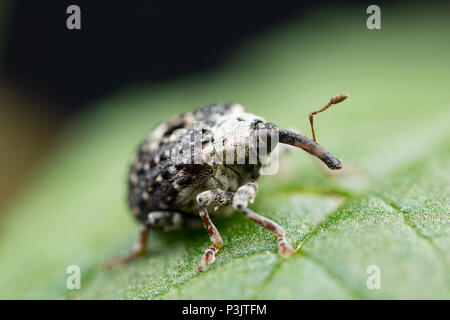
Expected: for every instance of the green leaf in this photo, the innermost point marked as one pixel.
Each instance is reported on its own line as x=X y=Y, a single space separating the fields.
x=389 y=207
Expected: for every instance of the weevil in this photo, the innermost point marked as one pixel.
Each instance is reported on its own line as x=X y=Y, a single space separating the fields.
x=169 y=188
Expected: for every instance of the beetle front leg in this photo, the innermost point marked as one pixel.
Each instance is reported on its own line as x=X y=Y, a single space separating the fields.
x=247 y=193
x=219 y=198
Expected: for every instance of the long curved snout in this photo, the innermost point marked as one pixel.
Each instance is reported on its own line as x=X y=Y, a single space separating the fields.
x=299 y=141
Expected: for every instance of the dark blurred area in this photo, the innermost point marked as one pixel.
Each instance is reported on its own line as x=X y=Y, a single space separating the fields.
x=49 y=73
x=122 y=43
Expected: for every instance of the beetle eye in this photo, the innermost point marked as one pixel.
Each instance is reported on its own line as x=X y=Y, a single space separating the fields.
x=257 y=124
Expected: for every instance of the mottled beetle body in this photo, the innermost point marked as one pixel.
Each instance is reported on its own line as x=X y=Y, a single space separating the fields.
x=170 y=188
x=158 y=183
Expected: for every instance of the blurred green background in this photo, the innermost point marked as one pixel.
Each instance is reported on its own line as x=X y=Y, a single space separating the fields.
x=389 y=207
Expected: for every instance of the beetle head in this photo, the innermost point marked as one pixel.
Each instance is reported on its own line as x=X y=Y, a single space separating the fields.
x=239 y=139
x=244 y=138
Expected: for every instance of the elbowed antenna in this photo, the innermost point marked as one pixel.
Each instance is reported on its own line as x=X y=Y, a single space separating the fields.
x=336 y=99
x=299 y=141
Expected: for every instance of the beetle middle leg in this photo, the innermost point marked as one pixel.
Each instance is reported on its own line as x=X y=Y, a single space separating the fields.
x=218 y=198
x=246 y=194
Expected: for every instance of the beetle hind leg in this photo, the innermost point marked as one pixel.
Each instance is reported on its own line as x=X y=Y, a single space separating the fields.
x=137 y=251
x=165 y=220
x=246 y=194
